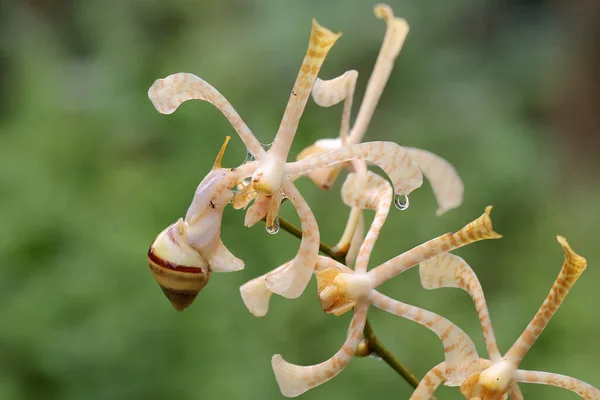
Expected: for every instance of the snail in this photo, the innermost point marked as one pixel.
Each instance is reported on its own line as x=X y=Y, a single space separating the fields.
x=178 y=268
x=182 y=257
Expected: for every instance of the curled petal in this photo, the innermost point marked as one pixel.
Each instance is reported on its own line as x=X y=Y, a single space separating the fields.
x=460 y=352
x=220 y=259
x=585 y=390
x=366 y=191
x=294 y=379
x=167 y=95
x=291 y=281
x=405 y=173
x=572 y=268
x=256 y=295
x=449 y=270
x=446 y=184
x=328 y=93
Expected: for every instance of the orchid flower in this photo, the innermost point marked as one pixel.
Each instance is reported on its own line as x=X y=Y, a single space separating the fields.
x=192 y=246
x=497 y=377
x=445 y=182
x=341 y=289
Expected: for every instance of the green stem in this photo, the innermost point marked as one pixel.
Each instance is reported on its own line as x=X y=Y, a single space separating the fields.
x=324 y=248
x=378 y=348
x=374 y=346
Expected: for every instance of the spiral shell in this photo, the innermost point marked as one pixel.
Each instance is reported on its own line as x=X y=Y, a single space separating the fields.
x=180 y=271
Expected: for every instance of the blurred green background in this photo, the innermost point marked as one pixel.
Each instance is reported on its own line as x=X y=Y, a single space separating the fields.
x=507 y=90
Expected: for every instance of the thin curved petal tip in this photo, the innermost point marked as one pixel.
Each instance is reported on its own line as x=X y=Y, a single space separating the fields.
x=574 y=263
x=323 y=36
x=256 y=296
x=290 y=378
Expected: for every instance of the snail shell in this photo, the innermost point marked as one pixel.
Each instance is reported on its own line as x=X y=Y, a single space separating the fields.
x=180 y=271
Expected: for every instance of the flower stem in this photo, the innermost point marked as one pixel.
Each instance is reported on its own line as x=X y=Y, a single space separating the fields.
x=324 y=248
x=374 y=346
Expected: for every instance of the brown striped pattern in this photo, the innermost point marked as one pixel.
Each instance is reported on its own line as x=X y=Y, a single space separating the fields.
x=460 y=353
x=584 y=390
x=479 y=229
x=449 y=270
x=405 y=173
x=368 y=191
x=572 y=268
x=321 y=41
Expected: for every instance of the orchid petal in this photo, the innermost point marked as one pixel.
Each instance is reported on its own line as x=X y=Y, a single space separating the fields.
x=460 y=352
x=357 y=239
x=479 y=229
x=584 y=390
x=167 y=95
x=368 y=190
x=446 y=184
x=449 y=270
x=430 y=382
x=290 y=282
x=257 y=211
x=294 y=379
x=572 y=268
x=322 y=177
x=256 y=295
x=514 y=392
x=321 y=41
x=331 y=92
x=405 y=173
x=395 y=34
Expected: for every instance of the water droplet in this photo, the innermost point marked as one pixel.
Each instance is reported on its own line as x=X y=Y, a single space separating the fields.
x=273 y=229
x=249 y=158
x=401 y=202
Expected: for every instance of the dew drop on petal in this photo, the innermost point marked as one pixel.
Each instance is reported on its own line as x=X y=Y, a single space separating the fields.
x=401 y=202
x=249 y=158
x=273 y=229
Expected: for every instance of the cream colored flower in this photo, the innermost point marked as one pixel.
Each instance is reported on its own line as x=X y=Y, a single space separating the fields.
x=341 y=289
x=270 y=179
x=497 y=377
